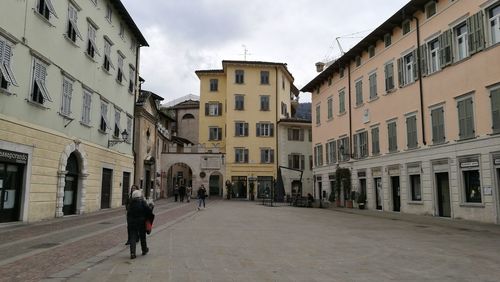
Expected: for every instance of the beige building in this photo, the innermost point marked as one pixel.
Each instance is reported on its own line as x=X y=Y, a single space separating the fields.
x=241 y=105
x=67 y=90
x=412 y=110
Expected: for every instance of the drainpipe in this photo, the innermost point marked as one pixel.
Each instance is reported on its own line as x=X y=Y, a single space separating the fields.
x=421 y=90
x=350 y=109
x=136 y=79
x=276 y=156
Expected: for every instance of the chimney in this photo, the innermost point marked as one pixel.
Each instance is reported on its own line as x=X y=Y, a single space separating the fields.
x=320 y=66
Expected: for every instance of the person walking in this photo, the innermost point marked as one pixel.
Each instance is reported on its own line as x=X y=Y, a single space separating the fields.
x=189 y=192
x=138 y=212
x=202 y=193
x=129 y=199
x=182 y=192
x=176 y=192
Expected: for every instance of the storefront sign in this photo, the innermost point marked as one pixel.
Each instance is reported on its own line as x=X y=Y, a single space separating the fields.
x=16 y=157
x=361 y=173
x=469 y=164
x=497 y=161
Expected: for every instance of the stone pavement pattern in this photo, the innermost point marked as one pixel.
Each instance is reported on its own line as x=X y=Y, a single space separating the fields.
x=243 y=241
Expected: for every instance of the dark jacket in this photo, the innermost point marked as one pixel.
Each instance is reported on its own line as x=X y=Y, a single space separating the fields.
x=138 y=211
x=202 y=193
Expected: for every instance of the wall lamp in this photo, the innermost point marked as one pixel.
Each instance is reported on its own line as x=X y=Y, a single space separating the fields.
x=116 y=141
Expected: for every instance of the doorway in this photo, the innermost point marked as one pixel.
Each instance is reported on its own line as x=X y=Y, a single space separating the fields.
x=396 y=195
x=71 y=185
x=125 y=187
x=239 y=189
x=214 y=183
x=107 y=175
x=11 y=185
x=378 y=193
x=443 y=194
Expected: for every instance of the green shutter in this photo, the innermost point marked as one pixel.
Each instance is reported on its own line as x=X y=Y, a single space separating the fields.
x=415 y=64
x=327 y=153
x=434 y=121
x=423 y=59
x=445 y=48
x=469 y=115
x=475 y=29
x=442 y=136
x=400 y=72
x=257 y=129
x=461 y=120
x=495 y=110
x=356 y=145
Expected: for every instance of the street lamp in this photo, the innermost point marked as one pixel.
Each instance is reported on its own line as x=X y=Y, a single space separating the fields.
x=116 y=141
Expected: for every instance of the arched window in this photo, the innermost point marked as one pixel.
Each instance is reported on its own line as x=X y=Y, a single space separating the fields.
x=188 y=116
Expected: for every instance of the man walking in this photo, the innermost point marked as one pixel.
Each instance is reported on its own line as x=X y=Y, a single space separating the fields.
x=182 y=192
x=202 y=193
x=176 y=192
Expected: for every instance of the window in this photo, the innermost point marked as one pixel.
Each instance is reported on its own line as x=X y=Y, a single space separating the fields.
x=239 y=76
x=131 y=81
x=213 y=109
x=86 y=108
x=188 y=116
x=296 y=161
x=445 y=51
x=240 y=155
x=45 y=8
x=407 y=68
x=494 y=23
x=122 y=30
x=341 y=72
x=389 y=76
x=109 y=12
x=318 y=115
x=393 y=137
x=461 y=41
x=342 y=102
x=430 y=9
x=331 y=152
x=310 y=135
x=472 y=186
x=103 y=125
x=495 y=109
x=437 y=119
x=411 y=132
x=433 y=53
x=330 y=108
x=264 y=77
x=310 y=162
x=387 y=39
x=372 y=79
x=264 y=103
x=282 y=82
x=359 y=92
x=358 y=61
x=265 y=129
x=406 y=27
x=344 y=149
x=133 y=45
x=295 y=134
x=318 y=155
x=241 y=129
x=361 y=145
x=416 y=190
x=214 y=85
x=73 y=31
x=6 y=74
x=94 y=2
x=375 y=141
x=330 y=81
x=39 y=92
x=120 y=76
x=67 y=91
x=116 y=131
x=266 y=156
x=107 y=56
x=129 y=128
x=465 y=118
x=91 y=45
x=214 y=133
x=371 y=51
x=239 y=102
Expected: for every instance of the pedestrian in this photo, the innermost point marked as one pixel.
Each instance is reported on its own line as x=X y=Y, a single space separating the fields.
x=137 y=214
x=129 y=199
x=176 y=192
x=189 y=192
x=202 y=193
x=182 y=192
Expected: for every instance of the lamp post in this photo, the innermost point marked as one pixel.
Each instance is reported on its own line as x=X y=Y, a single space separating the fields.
x=116 y=141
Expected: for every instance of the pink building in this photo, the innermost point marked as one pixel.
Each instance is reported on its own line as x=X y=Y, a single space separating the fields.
x=413 y=110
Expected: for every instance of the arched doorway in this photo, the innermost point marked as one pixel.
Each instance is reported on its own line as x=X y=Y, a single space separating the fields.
x=179 y=174
x=215 y=184
x=71 y=185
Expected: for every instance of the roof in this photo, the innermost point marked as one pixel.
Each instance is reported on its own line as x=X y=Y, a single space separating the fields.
x=248 y=63
x=188 y=104
x=180 y=140
x=181 y=99
x=144 y=96
x=371 y=39
x=129 y=21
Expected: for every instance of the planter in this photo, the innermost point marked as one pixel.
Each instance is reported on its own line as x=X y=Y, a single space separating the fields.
x=348 y=204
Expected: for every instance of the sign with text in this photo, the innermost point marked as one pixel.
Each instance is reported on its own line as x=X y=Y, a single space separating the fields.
x=15 y=157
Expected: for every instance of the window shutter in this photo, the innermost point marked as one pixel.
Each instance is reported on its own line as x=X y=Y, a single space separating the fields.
x=469 y=118
x=302 y=162
x=257 y=129
x=461 y=119
x=236 y=132
x=262 y=156
x=51 y=8
x=495 y=109
x=271 y=129
x=327 y=153
x=434 y=121
x=290 y=161
x=415 y=64
x=207 y=111
x=301 y=134
x=475 y=29
x=219 y=108
x=445 y=48
x=73 y=18
x=400 y=72
x=219 y=133
x=272 y=156
x=246 y=129
x=246 y=155
x=5 y=65
x=356 y=140
x=423 y=59
x=442 y=136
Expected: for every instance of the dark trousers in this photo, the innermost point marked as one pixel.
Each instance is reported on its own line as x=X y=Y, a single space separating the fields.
x=182 y=197
x=138 y=230
x=175 y=196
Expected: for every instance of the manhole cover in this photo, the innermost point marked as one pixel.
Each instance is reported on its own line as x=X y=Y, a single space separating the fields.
x=44 y=246
x=105 y=222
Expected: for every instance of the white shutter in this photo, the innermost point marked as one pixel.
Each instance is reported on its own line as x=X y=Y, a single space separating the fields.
x=104 y=113
x=73 y=18
x=107 y=52
x=40 y=74
x=92 y=36
x=49 y=5
x=66 y=101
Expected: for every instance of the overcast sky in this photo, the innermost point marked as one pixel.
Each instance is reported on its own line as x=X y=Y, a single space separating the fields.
x=188 y=35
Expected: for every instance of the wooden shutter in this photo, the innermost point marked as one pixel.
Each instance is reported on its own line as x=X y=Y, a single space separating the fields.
x=271 y=129
x=355 y=149
x=475 y=32
x=219 y=133
x=236 y=132
x=462 y=130
x=271 y=156
x=302 y=162
x=5 y=65
x=434 y=121
x=207 y=109
x=262 y=156
x=415 y=64
x=445 y=48
x=327 y=153
x=246 y=128
x=245 y=158
x=290 y=161
x=257 y=129
x=469 y=115
x=495 y=109
x=400 y=72
x=219 y=110
x=423 y=59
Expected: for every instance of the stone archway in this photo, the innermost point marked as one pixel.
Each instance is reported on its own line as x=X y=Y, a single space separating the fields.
x=76 y=148
x=215 y=184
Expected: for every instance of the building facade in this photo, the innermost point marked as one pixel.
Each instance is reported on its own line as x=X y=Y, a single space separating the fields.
x=67 y=90
x=241 y=105
x=413 y=109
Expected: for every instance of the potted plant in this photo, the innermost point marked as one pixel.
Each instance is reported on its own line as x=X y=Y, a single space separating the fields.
x=252 y=191
x=361 y=200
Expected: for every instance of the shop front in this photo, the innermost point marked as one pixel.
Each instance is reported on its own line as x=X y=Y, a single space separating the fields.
x=12 y=171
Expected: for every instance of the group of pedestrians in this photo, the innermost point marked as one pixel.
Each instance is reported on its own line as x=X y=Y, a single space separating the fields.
x=181 y=193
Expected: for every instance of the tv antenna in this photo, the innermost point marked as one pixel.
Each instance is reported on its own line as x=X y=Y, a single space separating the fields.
x=245 y=52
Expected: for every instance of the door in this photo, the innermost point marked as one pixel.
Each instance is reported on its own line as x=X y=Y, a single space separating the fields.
x=11 y=185
x=125 y=187
x=443 y=194
x=239 y=188
x=320 y=191
x=396 y=197
x=107 y=175
x=213 y=185
x=71 y=186
x=378 y=193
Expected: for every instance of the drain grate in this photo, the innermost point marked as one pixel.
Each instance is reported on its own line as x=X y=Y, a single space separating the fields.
x=44 y=246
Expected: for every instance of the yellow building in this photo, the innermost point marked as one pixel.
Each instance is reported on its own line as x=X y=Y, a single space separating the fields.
x=240 y=107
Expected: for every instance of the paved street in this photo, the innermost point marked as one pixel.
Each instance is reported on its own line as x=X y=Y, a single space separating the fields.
x=244 y=241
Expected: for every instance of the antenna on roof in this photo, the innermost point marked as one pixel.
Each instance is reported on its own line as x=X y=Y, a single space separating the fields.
x=245 y=52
